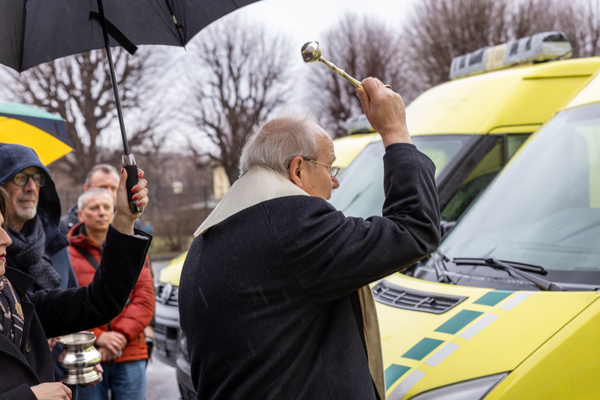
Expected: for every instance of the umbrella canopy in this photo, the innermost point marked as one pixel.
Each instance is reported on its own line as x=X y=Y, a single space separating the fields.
x=40 y=130
x=36 y=31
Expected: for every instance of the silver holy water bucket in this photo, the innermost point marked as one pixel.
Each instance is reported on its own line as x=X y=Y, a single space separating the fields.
x=79 y=358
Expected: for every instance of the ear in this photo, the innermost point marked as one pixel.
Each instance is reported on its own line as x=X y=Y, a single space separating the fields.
x=79 y=214
x=85 y=187
x=296 y=171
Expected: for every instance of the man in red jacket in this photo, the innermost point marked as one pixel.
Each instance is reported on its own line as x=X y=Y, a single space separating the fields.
x=121 y=342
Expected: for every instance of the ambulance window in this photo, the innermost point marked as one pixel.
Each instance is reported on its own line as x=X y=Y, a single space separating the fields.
x=361 y=186
x=441 y=149
x=544 y=209
x=514 y=143
x=477 y=180
x=482 y=175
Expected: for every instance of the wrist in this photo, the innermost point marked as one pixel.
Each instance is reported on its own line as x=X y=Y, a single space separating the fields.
x=398 y=136
x=123 y=224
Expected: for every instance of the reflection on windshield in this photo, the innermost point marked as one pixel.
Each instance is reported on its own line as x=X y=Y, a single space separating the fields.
x=544 y=208
x=361 y=186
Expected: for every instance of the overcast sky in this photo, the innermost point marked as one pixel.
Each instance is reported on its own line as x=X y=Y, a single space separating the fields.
x=303 y=21
x=307 y=20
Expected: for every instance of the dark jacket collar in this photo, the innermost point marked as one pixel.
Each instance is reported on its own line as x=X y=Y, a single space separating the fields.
x=73 y=211
x=78 y=237
x=20 y=281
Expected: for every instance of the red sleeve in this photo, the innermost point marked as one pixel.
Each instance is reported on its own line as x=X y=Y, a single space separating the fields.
x=98 y=331
x=138 y=314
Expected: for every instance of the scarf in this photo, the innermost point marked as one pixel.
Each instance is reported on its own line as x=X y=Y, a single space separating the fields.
x=27 y=250
x=11 y=315
x=261 y=184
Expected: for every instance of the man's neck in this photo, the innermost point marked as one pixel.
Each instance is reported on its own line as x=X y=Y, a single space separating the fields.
x=17 y=224
x=98 y=237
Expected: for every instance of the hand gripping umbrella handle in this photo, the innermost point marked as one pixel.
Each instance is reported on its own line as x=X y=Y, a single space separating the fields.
x=132 y=179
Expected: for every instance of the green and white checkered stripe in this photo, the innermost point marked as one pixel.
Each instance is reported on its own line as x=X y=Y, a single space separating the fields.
x=434 y=351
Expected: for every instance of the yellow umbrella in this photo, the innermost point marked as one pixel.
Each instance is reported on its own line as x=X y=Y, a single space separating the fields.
x=40 y=130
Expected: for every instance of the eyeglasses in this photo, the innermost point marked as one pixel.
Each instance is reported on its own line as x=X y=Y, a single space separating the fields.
x=22 y=178
x=333 y=170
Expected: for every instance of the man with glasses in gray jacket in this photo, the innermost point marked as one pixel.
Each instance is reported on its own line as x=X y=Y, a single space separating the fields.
x=38 y=248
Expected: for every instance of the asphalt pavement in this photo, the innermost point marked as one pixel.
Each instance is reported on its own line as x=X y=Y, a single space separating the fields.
x=161 y=382
x=161 y=379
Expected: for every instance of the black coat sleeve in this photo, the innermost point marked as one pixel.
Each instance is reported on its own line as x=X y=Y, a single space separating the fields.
x=66 y=311
x=331 y=256
x=21 y=392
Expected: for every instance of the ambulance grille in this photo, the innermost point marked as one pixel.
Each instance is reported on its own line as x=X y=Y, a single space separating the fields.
x=166 y=293
x=409 y=299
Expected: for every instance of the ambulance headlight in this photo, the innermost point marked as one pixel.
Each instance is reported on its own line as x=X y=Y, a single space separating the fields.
x=468 y=390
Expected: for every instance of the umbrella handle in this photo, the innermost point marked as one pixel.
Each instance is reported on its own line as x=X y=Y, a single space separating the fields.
x=132 y=179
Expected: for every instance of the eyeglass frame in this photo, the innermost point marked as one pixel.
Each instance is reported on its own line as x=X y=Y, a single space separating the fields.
x=333 y=169
x=42 y=179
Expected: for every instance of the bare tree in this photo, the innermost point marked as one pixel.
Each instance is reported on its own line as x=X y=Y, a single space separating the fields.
x=78 y=88
x=579 y=20
x=532 y=16
x=440 y=30
x=363 y=47
x=176 y=214
x=241 y=79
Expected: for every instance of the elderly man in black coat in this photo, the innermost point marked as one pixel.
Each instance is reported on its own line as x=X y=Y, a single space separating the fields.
x=273 y=296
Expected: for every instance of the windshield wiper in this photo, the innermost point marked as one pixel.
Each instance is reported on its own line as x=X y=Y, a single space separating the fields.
x=484 y=261
x=516 y=268
x=440 y=274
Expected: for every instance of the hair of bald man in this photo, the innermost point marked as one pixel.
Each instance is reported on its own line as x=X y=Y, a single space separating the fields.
x=106 y=168
x=275 y=144
x=83 y=198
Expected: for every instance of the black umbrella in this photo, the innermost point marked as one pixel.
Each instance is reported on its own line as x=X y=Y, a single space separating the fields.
x=36 y=31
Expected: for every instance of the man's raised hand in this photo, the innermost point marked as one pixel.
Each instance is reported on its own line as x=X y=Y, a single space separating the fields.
x=384 y=109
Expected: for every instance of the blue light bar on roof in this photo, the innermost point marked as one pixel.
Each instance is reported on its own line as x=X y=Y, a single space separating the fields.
x=540 y=47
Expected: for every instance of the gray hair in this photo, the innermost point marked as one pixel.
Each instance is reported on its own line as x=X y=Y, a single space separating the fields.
x=106 y=168
x=83 y=199
x=275 y=144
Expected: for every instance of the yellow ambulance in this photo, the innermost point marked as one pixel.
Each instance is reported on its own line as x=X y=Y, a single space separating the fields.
x=508 y=307
x=472 y=125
